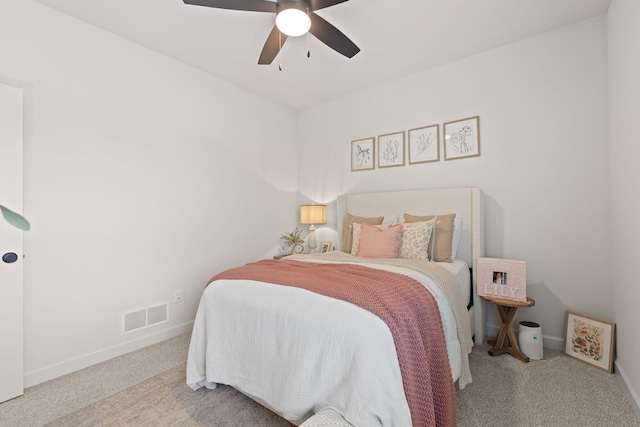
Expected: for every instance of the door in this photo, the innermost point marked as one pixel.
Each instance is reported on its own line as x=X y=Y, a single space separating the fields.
x=11 y=347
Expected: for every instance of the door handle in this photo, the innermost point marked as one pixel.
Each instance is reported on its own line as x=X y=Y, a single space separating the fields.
x=10 y=257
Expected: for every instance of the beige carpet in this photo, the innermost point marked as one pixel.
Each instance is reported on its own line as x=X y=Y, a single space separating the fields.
x=555 y=391
x=166 y=400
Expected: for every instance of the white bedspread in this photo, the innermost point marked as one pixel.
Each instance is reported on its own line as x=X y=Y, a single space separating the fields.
x=296 y=351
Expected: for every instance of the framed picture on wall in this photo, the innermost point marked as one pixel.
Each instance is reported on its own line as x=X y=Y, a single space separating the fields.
x=590 y=340
x=363 y=154
x=391 y=150
x=424 y=144
x=462 y=138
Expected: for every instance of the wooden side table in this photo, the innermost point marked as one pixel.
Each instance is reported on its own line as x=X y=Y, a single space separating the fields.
x=506 y=341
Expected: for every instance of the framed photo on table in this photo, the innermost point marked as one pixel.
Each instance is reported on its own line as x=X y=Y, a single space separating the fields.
x=326 y=247
x=462 y=138
x=502 y=278
x=590 y=340
x=424 y=144
x=363 y=154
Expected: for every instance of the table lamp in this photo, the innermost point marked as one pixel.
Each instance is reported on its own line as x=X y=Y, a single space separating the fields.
x=312 y=215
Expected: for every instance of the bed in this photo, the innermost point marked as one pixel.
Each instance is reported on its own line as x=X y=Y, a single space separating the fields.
x=299 y=352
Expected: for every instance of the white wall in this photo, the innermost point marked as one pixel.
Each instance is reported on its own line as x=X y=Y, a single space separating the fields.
x=142 y=176
x=542 y=104
x=624 y=106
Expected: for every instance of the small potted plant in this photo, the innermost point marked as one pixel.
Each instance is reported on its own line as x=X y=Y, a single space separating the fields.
x=293 y=241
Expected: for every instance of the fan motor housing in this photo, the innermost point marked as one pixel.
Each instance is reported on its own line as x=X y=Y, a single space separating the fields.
x=292 y=4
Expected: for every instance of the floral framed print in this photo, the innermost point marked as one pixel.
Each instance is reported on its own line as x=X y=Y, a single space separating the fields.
x=590 y=340
x=363 y=154
x=462 y=138
x=424 y=144
x=391 y=150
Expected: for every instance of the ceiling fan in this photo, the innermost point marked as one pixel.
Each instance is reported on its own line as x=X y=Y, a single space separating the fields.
x=300 y=13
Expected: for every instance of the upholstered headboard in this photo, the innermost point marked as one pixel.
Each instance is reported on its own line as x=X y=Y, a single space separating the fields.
x=465 y=202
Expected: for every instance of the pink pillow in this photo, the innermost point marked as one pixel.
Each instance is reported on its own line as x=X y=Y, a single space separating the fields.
x=378 y=243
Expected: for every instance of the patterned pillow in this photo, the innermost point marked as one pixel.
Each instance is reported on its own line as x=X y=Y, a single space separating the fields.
x=414 y=242
x=442 y=235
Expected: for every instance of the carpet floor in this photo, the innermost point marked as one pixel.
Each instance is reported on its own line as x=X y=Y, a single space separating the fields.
x=166 y=400
x=555 y=391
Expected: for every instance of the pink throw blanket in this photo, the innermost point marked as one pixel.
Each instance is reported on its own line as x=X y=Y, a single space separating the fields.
x=405 y=305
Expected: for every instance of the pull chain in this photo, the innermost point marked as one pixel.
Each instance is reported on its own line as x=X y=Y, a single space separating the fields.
x=280 y=50
x=308 y=38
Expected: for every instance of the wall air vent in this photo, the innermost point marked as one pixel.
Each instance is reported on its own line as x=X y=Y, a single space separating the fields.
x=144 y=317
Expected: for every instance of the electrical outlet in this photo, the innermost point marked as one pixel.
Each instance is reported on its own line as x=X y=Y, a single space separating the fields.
x=177 y=295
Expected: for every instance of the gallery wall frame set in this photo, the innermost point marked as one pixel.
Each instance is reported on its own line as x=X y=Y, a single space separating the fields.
x=590 y=340
x=461 y=140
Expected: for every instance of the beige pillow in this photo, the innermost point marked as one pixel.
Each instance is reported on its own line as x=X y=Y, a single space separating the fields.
x=414 y=242
x=345 y=243
x=442 y=235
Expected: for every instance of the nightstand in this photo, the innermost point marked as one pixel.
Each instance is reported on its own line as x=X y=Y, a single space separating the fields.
x=280 y=256
x=506 y=341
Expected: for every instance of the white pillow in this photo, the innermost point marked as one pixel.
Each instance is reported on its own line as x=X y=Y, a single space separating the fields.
x=457 y=231
x=390 y=219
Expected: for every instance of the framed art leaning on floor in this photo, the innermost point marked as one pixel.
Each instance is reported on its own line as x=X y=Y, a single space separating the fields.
x=590 y=340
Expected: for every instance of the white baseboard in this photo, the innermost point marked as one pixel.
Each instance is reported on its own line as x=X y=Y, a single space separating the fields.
x=548 y=341
x=75 y=364
x=633 y=394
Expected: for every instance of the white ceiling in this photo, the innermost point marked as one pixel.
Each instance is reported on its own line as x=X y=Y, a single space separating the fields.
x=396 y=38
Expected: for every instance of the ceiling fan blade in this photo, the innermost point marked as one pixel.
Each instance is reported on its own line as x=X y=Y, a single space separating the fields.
x=272 y=46
x=321 y=4
x=251 y=5
x=332 y=37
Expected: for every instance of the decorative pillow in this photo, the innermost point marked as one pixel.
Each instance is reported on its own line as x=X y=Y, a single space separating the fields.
x=346 y=241
x=415 y=238
x=442 y=237
x=357 y=233
x=376 y=242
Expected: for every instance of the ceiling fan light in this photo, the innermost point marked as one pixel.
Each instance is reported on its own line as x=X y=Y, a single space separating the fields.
x=293 y=22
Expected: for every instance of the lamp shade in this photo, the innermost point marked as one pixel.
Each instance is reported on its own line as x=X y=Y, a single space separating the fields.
x=313 y=214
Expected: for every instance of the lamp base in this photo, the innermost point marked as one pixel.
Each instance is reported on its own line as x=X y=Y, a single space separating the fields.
x=312 y=238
